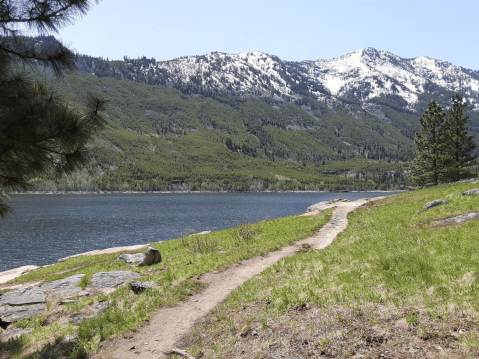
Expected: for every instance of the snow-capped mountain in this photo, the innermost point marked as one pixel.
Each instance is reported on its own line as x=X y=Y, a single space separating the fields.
x=360 y=75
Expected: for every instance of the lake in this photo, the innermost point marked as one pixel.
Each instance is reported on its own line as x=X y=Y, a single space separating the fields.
x=44 y=228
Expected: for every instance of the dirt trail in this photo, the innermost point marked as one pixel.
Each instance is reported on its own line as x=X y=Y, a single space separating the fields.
x=168 y=325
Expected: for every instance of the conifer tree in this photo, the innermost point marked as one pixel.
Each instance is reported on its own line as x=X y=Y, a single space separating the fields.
x=428 y=164
x=38 y=132
x=458 y=157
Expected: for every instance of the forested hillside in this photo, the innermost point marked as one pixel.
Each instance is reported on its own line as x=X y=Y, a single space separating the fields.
x=250 y=122
x=161 y=139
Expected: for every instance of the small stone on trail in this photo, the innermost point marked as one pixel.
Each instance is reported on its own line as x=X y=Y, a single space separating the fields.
x=255 y=333
x=434 y=203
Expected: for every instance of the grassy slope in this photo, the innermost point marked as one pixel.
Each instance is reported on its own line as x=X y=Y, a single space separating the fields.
x=184 y=260
x=393 y=284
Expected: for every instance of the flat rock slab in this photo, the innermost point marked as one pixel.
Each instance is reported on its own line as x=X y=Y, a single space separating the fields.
x=10 y=314
x=132 y=258
x=12 y=333
x=459 y=219
x=434 y=203
x=471 y=192
x=102 y=280
x=62 y=288
x=31 y=295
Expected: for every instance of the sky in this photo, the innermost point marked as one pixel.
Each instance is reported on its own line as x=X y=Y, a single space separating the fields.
x=292 y=30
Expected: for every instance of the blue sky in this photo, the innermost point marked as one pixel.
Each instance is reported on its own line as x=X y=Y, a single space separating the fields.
x=293 y=30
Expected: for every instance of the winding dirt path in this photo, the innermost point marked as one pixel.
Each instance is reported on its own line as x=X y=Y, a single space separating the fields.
x=168 y=325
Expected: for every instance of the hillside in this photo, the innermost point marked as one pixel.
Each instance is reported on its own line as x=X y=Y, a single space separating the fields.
x=252 y=121
x=159 y=138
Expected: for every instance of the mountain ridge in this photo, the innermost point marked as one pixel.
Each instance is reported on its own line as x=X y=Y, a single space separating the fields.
x=361 y=74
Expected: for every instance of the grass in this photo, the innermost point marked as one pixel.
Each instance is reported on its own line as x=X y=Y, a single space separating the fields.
x=390 y=283
x=175 y=278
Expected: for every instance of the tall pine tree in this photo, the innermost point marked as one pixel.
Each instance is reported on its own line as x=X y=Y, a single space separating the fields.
x=39 y=132
x=428 y=164
x=458 y=156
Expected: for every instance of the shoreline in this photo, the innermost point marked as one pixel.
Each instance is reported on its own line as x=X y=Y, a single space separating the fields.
x=6 y=276
x=195 y=192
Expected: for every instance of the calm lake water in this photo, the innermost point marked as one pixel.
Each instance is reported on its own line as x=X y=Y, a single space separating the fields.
x=44 y=228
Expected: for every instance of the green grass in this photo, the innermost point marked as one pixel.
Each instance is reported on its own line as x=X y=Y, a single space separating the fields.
x=390 y=263
x=175 y=278
x=389 y=253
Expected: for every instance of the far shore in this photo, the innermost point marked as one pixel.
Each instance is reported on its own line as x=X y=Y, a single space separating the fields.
x=201 y=192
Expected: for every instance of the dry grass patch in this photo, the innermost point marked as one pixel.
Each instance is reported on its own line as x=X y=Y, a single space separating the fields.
x=308 y=331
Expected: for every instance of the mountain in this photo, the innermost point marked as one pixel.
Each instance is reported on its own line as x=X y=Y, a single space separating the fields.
x=252 y=121
x=361 y=76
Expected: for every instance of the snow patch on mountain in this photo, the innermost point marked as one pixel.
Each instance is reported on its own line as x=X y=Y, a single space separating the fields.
x=362 y=74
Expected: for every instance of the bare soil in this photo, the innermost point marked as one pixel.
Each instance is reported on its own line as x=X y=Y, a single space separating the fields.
x=168 y=325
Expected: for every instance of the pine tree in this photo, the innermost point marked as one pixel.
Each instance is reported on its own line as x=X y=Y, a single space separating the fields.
x=460 y=145
x=428 y=164
x=38 y=132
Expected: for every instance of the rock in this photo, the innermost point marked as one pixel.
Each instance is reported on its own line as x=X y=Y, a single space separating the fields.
x=70 y=338
x=434 y=203
x=79 y=318
x=139 y=287
x=102 y=280
x=62 y=288
x=471 y=192
x=153 y=256
x=100 y=307
x=67 y=301
x=316 y=205
x=254 y=333
x=132 y=258
x=31 y=295
x=13 y=333
x=10 y=314
x=459 y=219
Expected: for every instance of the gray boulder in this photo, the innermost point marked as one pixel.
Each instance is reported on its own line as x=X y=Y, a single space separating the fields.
x=132 y=258
x=459 y=219
x=31 y=295
x=102 y=280
x=10 y=314
x=139 y=287
x=471 y=192
x=434 y=203
x=152 y=256
x=62 y=288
